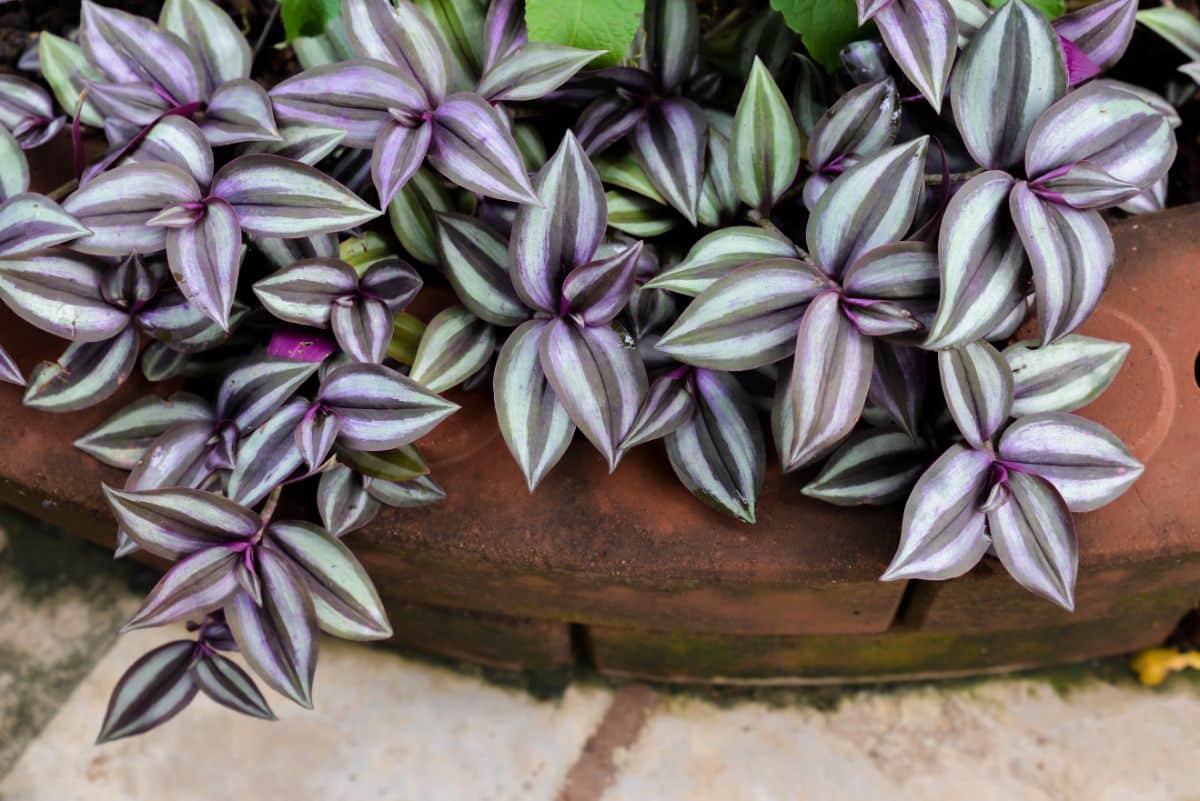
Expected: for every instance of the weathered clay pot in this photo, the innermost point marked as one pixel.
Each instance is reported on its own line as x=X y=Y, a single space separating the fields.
x=630 y=574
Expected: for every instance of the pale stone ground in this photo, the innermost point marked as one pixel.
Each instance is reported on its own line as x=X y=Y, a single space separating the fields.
x=389 y=728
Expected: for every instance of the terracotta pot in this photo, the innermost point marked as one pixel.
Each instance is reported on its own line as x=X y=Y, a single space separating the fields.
x=631 y=574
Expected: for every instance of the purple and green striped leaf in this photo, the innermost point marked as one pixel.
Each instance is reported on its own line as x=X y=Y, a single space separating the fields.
x=670 y=142
x=978 y=386
x=206 y=259
x=279 y=638
x=117 y=206
x=716 y=254
x=535 y=425
x=1072 y=255
x=853 y=217
x=456 y=345
x=1100 y=30
x=61 y=293
x=943 y=533
x=86 y=374
x=472 y=146
x=121 y=440
x=669 y=404
x=475 y=259
x=275 y=197
x=598 y=380
x=1084 y=461
x=402 y=35
x=345 y=600
x=874 y=467
x=268 y=456
x=922 y=36
x=196 y=584
x=719 y=452
x=981 y=260
x=997 y=98
x=343 y=501
x=378 y=408
x=827 y=389
x=747 y=319
x=220 y=678
x=1033 y=534
x=562 y=231
x=352 y=96
x=153 y=690
x=1063 y=376
x=766 y=142
x=176 y=522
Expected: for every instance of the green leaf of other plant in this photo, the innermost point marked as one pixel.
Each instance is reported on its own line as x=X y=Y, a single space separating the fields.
x=307 y=17
x=589 y=24
x=1052 y=9
x=825 y=26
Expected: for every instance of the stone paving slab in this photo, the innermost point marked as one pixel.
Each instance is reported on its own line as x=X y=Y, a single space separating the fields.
x=61 y=603
x=384 y=729
x=1000 y=740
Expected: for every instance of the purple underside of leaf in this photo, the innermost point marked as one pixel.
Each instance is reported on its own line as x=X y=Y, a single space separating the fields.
x=597 y=379
x=472 y=147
